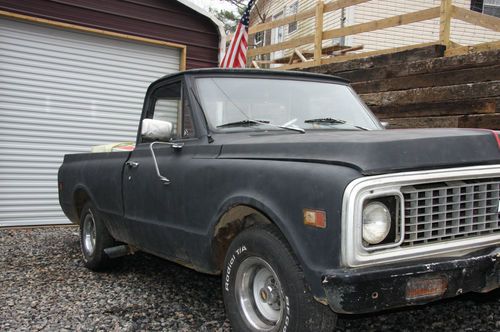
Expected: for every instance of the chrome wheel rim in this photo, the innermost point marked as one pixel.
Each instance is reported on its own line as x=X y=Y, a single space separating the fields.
x=259 y=294
x=89 y=234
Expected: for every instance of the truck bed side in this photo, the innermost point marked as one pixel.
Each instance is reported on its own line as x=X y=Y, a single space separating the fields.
x=94 y=175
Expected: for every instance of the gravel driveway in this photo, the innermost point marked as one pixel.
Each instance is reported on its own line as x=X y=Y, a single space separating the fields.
x=44 y=286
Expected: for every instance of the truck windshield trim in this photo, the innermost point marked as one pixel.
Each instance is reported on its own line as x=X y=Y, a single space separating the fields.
x=282 y=103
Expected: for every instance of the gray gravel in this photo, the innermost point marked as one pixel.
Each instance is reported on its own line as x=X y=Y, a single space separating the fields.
x=44 y=286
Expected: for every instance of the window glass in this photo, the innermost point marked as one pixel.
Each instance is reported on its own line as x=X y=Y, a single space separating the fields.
x=259 y=38
x=187 y=119
x=492 y=7
x=171 y=104
x=476 y=5
x=168 y=104
x=292 y=10
x=281 y=102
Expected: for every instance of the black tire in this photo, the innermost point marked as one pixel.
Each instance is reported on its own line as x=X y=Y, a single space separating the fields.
x=93 y=247
x=265 y=248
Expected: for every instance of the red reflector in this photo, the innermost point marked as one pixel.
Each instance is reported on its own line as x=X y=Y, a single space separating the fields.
x=315 y=218
x=424 y=288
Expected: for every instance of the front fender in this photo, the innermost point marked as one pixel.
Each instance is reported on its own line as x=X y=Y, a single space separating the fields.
x=297 y=185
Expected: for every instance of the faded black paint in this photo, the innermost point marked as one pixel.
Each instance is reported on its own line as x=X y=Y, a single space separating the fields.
x=350 y=290
x=277 y=173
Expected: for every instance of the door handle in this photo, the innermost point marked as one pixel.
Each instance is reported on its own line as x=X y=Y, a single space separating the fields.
x=132 y=164
x=177 y=146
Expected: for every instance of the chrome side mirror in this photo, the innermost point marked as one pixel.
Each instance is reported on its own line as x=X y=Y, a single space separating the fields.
x=385 y=124
x=156 y=130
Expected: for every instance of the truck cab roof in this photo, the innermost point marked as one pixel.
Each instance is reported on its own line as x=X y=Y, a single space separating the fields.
x=252 y=72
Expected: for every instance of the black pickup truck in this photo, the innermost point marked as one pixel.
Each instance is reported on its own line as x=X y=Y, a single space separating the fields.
x=287 y=185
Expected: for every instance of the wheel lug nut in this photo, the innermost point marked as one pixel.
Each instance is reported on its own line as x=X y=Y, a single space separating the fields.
x=263 y=295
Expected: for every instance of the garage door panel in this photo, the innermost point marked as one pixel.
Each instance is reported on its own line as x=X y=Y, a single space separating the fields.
x=33 y=149
x=13 y=76
x=83 y=145
x=113 y=50
x=68 y=90
x=26 y=197
x=92 y=124
x=61 y=107
x=28 y=166
x=65 y=132
x=34 y=113
x=45 y=63
x=29 y=53
x=30 y=159
x=70 y=52
x=13 y=205
x=47 y=97
x=40 y=71
x=40 y=216
x=20 y=186
x=50 y=178
x=85 y=43
x=47 y=140
x=62 y=92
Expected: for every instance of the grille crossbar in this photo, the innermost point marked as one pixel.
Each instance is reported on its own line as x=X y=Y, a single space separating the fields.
x=450 y=210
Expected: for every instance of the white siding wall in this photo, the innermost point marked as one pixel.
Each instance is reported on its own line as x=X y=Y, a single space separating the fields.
x=421 y=32
x=428 y=31
x=468 y=34
x=62 y=92
x=305 y=27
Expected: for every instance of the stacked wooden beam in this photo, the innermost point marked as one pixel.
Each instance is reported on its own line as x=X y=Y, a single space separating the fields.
x=422 y=88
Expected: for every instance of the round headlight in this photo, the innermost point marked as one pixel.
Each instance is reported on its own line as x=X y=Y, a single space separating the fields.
x=376 y=222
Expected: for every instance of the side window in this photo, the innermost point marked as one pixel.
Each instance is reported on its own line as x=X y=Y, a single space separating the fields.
x=187 y=119
x=168 y=104
x=172 y=105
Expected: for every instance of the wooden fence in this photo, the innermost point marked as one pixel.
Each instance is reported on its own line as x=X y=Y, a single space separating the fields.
x=445 y=12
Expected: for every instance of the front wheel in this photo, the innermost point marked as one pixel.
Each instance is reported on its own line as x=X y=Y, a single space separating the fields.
x=263 y=286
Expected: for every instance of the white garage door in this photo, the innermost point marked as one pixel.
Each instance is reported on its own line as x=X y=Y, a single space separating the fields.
x=62 y=92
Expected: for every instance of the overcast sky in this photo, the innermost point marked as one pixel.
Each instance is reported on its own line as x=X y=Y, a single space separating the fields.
x=206 y=4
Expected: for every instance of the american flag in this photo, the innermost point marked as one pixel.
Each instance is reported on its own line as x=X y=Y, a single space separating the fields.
x=235 y=56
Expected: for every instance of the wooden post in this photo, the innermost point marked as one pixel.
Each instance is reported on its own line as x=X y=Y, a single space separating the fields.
x=300 y=55
x=318 y=33
x=445 y=22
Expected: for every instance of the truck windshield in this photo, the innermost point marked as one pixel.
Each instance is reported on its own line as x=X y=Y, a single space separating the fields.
x=233 y=103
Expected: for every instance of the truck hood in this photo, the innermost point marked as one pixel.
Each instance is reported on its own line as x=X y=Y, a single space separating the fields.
x=371 y=152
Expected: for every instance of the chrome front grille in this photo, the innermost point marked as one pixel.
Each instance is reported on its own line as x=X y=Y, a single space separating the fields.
x=450 y=210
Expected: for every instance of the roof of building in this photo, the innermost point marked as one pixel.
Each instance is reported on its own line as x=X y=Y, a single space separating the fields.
x=222 y=43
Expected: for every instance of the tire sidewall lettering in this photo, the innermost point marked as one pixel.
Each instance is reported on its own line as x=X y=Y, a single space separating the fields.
x=286 y=323
x=228 y=274
x=229 y=266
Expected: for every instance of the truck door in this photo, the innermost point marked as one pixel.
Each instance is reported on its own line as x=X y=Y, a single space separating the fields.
x=150 y=208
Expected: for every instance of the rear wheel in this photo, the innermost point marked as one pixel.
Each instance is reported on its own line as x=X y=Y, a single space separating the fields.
x=94 y=238
x=263 y=286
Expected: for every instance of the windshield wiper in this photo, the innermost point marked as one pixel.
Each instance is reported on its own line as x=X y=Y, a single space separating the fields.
x=251 y=122
x=243 y=123
x=332 y=121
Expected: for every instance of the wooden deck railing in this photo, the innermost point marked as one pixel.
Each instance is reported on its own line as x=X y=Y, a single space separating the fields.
x=445 y=12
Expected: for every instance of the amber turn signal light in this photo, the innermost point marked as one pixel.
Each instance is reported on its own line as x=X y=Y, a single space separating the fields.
x=425 y=287
x=315 y=218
